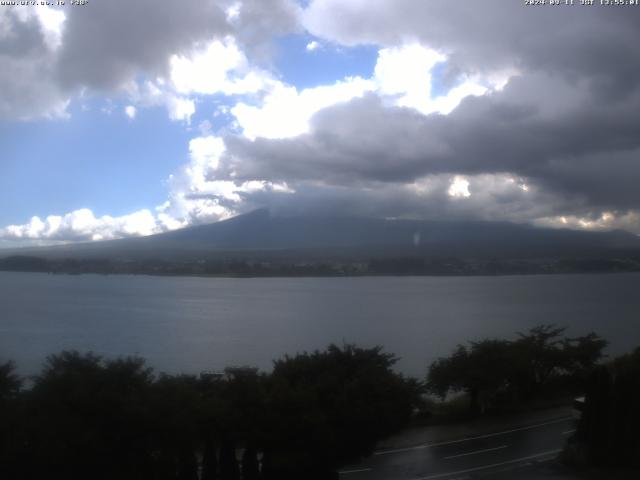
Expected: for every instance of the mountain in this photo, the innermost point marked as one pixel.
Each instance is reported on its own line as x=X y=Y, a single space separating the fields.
x=258 y=236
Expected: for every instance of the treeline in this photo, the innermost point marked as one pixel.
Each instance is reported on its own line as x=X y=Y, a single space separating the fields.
x=227 y=268
x=84 y=416
x=87 y=417
x=498 y=374
x=288 y=268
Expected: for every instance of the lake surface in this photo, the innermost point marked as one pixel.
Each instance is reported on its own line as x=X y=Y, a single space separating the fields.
x=182 y=324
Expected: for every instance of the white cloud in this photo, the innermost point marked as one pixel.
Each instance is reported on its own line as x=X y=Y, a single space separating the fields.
x=402 y=77
x=197 y=195
x=51 y=22
x=155 y=93
x=313 y=45
x=130 y=111
x=285 y=112
x=83 y=225
x=405 y=72
x=459 y=188
x=594 y=220
x=205 y=155
x=219 y=67
x=180 y=108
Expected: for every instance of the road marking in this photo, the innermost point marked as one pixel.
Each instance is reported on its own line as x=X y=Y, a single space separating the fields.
x=568 y=432
x=476 y=452
x=509 y=468
x=493 y=465
x=489 y=435
x=346 y=472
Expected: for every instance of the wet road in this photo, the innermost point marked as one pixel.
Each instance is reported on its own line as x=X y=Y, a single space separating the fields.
x=479 y=456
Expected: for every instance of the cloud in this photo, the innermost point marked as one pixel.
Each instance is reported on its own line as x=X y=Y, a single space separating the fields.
x=313 y=45
x=215 y=67
x=83 y=225
x=198 y=196
x=564 y=143
x=285 y=112
x=595 y=41
x=494 y=111
x=108 y=44
x=557 y=117
x=402 y=77
x=180 y=108
x=48 y=56
x=498 y=197
x=194 y=198
x=459 y=187
x=219 y=67
x=29 y=41
x=130 y=111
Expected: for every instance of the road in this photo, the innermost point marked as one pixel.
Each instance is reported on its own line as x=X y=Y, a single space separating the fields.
x=475 y=456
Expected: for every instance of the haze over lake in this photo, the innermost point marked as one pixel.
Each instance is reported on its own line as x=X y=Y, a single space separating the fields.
x=187 y=324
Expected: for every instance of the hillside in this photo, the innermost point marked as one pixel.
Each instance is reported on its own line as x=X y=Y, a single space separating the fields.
x=258 y=237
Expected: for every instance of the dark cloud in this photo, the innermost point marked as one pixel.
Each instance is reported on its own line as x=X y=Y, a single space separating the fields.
x=578 y=149
x=110 y=42
x=104 y=45
x=20 y=38
x=575 y=40
x=495 y=198
x=113 y=41
x=26 y=63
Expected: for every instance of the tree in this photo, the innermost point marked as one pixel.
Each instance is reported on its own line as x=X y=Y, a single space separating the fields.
x=10 y=382
x=10 y=421
x=87 y=418
x=538 y=356
x=480 y=370
x=175 y=406
x=490 y=370
x=582 y=354
x=327 y=407
x=608 y=428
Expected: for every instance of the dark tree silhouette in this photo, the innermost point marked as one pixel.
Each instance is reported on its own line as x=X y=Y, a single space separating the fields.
x=491 y=370
x=10 y=382
x=10 y=421
x=481 y=370
x=330 y=406
x=87 y=416
x=608 y=429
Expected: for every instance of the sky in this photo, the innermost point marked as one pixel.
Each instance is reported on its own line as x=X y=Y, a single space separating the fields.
x=122 y=118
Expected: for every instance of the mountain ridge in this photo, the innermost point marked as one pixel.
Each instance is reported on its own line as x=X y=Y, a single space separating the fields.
x=259 y=234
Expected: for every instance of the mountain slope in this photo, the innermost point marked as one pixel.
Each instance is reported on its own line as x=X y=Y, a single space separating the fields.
x=259 y=235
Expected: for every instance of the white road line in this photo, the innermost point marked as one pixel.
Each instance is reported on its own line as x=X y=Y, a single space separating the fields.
x=489 y=435
x=346 y=472
x=476 y=452
x=493 y=465
x=568 y=432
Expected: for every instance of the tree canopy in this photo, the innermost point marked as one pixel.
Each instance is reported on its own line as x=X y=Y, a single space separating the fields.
x=89 y=417
x=493 y=369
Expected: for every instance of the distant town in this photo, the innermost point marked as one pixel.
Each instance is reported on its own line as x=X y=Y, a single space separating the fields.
x=282 y=268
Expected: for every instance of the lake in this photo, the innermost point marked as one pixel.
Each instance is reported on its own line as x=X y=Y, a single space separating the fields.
x=188 y=324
